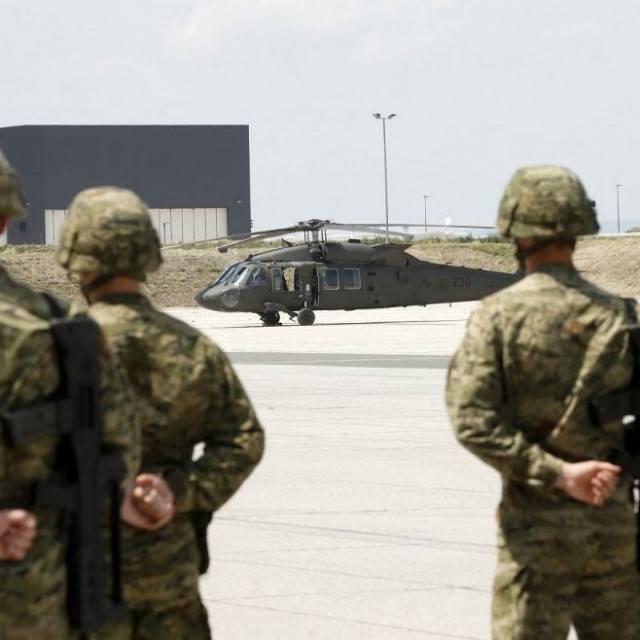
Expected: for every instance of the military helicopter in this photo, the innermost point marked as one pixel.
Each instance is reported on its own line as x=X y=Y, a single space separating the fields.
x=319 y=274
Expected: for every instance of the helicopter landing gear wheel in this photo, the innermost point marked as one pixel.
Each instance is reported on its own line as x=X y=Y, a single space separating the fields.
x=306 y=317
x=270 y=318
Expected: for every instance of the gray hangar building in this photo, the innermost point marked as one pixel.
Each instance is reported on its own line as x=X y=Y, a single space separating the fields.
x=195 y=178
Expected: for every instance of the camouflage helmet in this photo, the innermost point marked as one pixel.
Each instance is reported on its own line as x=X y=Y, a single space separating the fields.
x=109 y=232
x=545 y=202
x=12 y=204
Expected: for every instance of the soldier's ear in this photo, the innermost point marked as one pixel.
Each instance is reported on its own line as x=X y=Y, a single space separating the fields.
x=3 y=224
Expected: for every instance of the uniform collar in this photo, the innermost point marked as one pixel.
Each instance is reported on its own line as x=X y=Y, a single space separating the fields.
x=556 y=268
x=563 y=272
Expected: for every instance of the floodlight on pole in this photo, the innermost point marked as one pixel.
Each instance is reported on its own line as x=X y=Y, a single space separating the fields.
x=384 y=119
x=618 y=203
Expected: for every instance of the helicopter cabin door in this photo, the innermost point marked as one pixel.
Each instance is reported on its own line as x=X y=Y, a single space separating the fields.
x=341 y=288
x=296 y=286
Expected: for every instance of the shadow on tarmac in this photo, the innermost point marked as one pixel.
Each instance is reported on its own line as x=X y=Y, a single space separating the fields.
x=293 y=323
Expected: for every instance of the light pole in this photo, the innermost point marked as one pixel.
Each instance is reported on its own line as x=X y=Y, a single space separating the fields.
x=425 y=213
x=384 y=119
x=618 y=203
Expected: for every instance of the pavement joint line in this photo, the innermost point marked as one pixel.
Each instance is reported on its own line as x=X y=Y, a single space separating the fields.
x=229 y=555
x=316 y=530
x=340 y=512
x=346 y=592
x=360 y=576
x=368 y=623
x=439 y=545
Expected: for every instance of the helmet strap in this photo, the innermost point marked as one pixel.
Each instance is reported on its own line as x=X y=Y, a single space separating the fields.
x=96 y=283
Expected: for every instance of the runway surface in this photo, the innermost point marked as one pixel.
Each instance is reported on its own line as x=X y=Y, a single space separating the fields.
x=366 y=360
x=366 y=520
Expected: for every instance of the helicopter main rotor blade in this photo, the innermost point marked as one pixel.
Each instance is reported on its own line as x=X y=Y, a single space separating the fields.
x=314 y=225
x=248 y=236
x=458 y=226
x=421 y=224
x=368 y=229
x=257 y=236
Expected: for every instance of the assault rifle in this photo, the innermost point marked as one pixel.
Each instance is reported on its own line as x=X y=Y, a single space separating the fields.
x=621 y=405
x=89 y=475
x=624 y=405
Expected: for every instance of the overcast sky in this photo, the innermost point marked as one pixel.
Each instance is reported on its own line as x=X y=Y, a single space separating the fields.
x=480 y=87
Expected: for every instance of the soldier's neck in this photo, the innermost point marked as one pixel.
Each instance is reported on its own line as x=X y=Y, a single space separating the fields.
x=552 y=254
x=118 y=284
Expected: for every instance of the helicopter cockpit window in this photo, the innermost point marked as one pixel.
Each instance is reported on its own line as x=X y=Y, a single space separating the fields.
x=257 y=277
x=238 y=274
x=276 y=275
x=351 y=278
x=226 y=275
x=329 y=279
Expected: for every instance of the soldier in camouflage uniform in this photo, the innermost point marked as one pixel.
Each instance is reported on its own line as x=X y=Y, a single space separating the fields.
x=190 y=394
x=32 y=555
x=518 y=389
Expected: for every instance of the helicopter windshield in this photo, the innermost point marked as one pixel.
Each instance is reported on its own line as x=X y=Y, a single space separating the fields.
x=238 y=274
x=233 y=274
x=225 y=274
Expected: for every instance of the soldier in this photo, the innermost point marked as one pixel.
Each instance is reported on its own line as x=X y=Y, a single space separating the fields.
x=190 y=394
x=32 y=536
x=518 y=390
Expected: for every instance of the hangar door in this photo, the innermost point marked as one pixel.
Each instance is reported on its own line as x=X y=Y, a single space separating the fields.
x=173 y=226
x=178 y=226
x=53 y=221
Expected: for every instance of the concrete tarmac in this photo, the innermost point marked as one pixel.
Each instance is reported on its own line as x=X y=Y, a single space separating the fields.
x=365 y=519
x=366 y=360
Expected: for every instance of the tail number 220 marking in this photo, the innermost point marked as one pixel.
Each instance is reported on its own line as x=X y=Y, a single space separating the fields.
x=462 y=282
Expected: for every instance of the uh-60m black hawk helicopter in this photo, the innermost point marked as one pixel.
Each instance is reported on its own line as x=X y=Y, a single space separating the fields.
x=319 y=275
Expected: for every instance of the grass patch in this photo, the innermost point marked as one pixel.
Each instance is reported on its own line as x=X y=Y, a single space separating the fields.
x=469 y=239
x=17 y=249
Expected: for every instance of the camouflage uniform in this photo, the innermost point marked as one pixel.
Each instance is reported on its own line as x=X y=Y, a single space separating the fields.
x=517 y=394
x=32 y=591
x=189 y=394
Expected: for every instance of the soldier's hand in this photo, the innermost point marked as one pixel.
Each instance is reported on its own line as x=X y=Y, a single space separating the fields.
x=591 y=482
x=148 y=503
x=153 y=497
x=18 y=529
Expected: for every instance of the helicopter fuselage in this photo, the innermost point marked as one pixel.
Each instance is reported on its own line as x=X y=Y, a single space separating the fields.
x=335 y=275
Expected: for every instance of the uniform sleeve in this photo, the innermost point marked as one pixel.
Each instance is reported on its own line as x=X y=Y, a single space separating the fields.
x=233 y=445
x=476 y=397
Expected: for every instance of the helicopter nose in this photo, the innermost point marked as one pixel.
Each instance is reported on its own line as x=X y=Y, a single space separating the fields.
x=218 y=300
x=206 y=298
